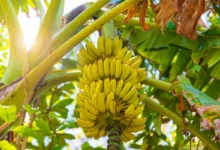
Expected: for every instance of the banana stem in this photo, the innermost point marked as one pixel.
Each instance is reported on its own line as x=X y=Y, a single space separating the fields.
x=114 y=140
x=179 y=121
x=163 y=85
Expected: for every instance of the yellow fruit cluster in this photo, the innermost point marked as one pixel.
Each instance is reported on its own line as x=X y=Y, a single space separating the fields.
x=109 y=89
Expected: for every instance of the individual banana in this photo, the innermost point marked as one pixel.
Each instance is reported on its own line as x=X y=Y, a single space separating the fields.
x=119 y=87
x=95 y=74
x=126 y=71
x=106 y=67
x=130 y=93
x=100 y=68
x=136 y=128
x=137 y=121
x=112 y=67
x=136 y=64
x=107 y=85
x=113 y=85
x=113 y=106
x=117 y=45
x=118 y=69
x=125 y=89
x=92 y=87
x=99 y=86
x=110 y=97
x=133 y=60
x=101 y=102
x=121 y=53
x=127 y=56
x=85 y=123
x=101 y=45
x=108 y=46
x=87 y=91
x=127 y=134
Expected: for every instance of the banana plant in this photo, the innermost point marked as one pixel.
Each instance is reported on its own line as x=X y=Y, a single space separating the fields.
x=116 y=96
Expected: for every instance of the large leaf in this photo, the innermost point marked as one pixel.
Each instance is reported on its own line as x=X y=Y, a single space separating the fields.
x=156 y=39
x=207 y=108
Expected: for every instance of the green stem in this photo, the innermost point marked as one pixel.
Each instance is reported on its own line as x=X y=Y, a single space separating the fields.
x=114 y=138
x=71 y=27
x=180 y=122
x=55 y=78
x=163 y=85
x=18 y=53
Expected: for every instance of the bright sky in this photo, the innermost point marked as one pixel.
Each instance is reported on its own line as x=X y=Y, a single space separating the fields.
x=30 y=25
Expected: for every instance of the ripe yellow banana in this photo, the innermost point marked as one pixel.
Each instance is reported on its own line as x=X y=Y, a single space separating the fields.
x=117 y=45
x=137 y=122
x=107 y=86
x=92 y=87
x=119 y=87
x=132 y=78
x=106 y=67
x=89 y=106
x=95 y=74
x=99 y=86
x=130 y=93
x=113 y=107
x=113 y=85
x=127 y=56
x=101 y=102
x=101 y=45
x=95 y=102
x=125 y=90
x=121 y=53
x=133 y=60
x=136 y=128
x=85 y=54
x=129 y=111
x=87 y=91
x=127 y=134
x=91 y=47
x=110 y=97
x=108 y=46
x=136 y=64
x=88 y=115
x=102 y=132
x=85 y=123
x=118 y=69
x=101 y=68
x=126 y=71
x=123 y=138
x=112 y=67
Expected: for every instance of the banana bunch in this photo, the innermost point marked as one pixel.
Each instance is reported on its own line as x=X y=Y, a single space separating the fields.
x=109 y=89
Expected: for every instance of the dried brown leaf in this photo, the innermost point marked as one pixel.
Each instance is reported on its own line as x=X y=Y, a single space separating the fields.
x=142 y=13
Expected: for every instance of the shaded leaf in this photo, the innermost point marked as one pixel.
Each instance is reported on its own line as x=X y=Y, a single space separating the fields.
x=27 y=131
x=180 y=64
x=44 y=126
